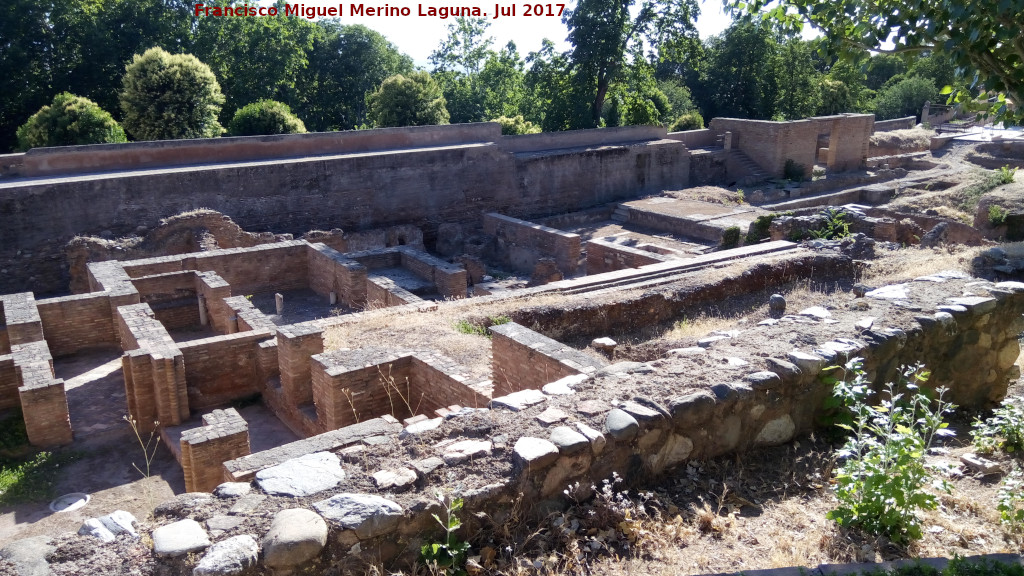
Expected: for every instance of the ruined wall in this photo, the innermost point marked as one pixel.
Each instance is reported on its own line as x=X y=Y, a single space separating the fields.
x=377 y=187
x=224 y=436
x=607 y=256
x=222 y=369
x=74 y=323
x=522 y=358
x=521 y=244
x=770 y=144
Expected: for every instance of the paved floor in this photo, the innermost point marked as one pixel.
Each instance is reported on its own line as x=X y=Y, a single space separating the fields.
x=299 y=306
x=95 y=388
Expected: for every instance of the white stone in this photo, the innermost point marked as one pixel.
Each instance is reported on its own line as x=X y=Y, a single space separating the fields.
x=535 y=452
x=519 y=400
x=464 y=450
x=597 y=439
x=691 y=351
x=296 y=535
x=865 y=323
x=368 y=515
x=776 y=432
x=604 y=344
x=93 y=527
x=807 y=362
x=564 y=386
x=395 y=478
x=733 y=362
x=551 y=416
x=710 y=340
x=891 y=292
x=229 y=557
x=673 y=451
x=179 y=538
x=120 y=522
x=816 y=312
x=302 y=476
x=232 y=489
x=420 y=427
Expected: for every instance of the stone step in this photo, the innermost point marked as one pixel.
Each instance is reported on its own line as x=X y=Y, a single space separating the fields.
x=621 y=214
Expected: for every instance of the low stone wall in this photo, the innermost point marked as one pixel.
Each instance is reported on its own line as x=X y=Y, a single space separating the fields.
x=382 y=292
x=895 y=124
x=607 y=256
x=520 y=244
x=449 y=279
x=525 y=359
x=223 y=437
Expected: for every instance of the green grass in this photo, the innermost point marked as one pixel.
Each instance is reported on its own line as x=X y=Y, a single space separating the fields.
x=467 y=327
x=957 y=567
x=31 y=479
x=989 y=181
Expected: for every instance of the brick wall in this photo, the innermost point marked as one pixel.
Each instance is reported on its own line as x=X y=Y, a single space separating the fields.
x=294 y=348
x=154 y=369
x=213 y=289
x=21 y=316
x=522 y=358
x=607 y=257
x=382 y=292
x=73 y=323
x=204 y=450
x=449 y=279
x=520 y=244
x=8 y=383
x=330 y=271
x=221 y=369
x=849 y=139
x=44 y=401
x=266 y=268
x=247 y=316
x=770 y=144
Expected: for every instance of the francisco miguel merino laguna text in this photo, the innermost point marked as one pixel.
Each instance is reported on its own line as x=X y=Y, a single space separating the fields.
x=427 y=10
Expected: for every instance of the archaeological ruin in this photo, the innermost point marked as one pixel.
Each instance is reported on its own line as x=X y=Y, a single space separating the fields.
x=262 y=301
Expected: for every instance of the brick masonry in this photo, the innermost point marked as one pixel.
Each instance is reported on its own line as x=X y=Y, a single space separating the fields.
x=525 y=359
x=607 y=257
x=223 y=437
x=520 y=244
x=221 y=369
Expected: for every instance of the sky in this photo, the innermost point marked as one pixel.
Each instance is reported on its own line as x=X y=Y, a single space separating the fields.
x=418 y=36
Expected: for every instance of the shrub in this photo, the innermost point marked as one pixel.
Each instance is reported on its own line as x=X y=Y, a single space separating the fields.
x=996 y=215
x=690 y=121
x=760 y=227
x=835 y=227
x=411 y=100
x=881 y=482
x=794 y=171
x=265 y=117
x=169 y=96
x=905 y=97
x=516 y=125
x=731 y=237
x=69 y=120
x=1004 y=430
x=1006 y=174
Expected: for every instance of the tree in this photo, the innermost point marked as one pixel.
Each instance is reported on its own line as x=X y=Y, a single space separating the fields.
x=504 y=83
x=465 y=48
x=600 y=32
x=254 y=57
x=170 y=96
x=67 y=121
x=799 y=95
x=265 y=117
x=740 y=77
x=905 y=98
x=516 y=125
x=346 y=64
x=557 y=102
x=407 y=100
x=981 y=35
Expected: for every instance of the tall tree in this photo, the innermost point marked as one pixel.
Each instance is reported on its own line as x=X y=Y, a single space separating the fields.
x=981 y=35
x=600 y=32
x=346 y=63
x=457 y=63
x=740 y=77
x=799 y=94
x=503 y=78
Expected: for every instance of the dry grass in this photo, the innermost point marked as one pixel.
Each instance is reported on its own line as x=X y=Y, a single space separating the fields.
x=908 y=263
x=902 y=141
x=689 y=328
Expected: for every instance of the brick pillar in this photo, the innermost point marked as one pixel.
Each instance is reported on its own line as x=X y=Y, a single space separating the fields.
x=293 y=352
x=204 y=450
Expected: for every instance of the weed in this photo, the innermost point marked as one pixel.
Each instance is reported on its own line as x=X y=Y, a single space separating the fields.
x=760 y=227
x=1004 y=430
x=988 y=182
x=817 y=173
x=451 y=553
x=997 y=215
x=1006 y=174
x=740 y=196
x=392 y=389
x=731 y=237
x=1011 y=500
x=836 y=225
x=467 y=327
x=881 y=481
x=148 y=453
x=31 y=479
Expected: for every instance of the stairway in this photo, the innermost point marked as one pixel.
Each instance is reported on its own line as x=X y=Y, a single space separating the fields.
x=621 y=213
x=749 y=172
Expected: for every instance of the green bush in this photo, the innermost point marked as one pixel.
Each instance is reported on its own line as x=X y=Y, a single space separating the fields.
x=731 y=237
x=69 y=120
x=905 y=98
x=997 y=215
x=481 y=329
x=414 y=99
x=265 y=117
x=1004 y=430
x=759 y=228
x=167 y=96
x=516 y=125
x=794 y=171
x=690 y=121
x=882 y=480
x=835 y=227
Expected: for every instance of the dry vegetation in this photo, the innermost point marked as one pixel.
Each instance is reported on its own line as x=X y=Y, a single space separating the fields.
x=902 y=141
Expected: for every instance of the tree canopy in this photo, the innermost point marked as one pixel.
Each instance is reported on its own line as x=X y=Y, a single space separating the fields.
x=69 y=120
x=407 y=100
x=265 y=117
x=168 y=96
x=982 y=37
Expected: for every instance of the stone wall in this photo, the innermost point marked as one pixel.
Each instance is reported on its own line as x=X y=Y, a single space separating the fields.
x=525 y=359
x=521 y=244
x=330 y=272
x=771 y=144
x=44 y=401
x=849 y=136
x=894 y=124
x=224 y=436
x=607 y=256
